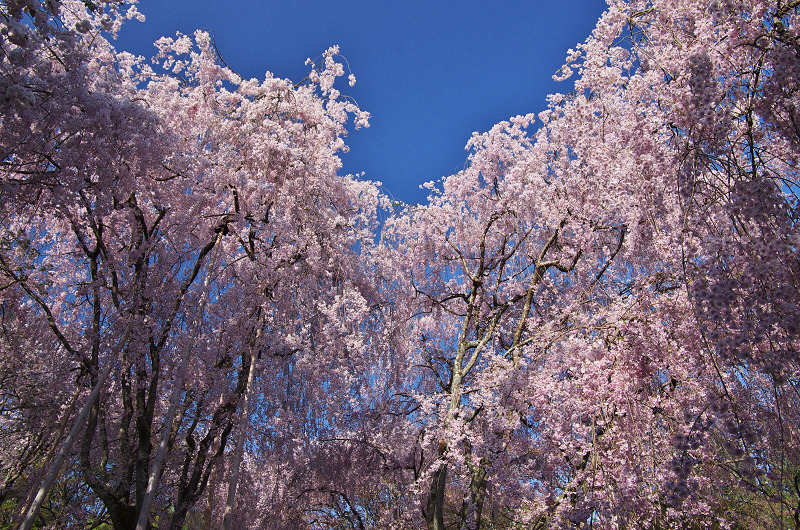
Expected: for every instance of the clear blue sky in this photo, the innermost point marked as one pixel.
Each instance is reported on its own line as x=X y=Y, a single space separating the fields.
x=430 y=73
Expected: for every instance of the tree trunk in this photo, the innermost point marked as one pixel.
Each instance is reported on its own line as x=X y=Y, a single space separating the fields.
x=155 y=471
x=208 y=513
x=472 y=509
x=434 y=515
x=237 y=458
x=55 y=468
x=63 y=427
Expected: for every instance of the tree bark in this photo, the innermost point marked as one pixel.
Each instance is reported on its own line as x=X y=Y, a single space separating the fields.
x=473 y=509
x=434 y=515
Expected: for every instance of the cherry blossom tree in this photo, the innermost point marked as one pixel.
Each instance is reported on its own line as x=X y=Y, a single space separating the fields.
x=594 y=324
x=167 y=232
x=603 y=311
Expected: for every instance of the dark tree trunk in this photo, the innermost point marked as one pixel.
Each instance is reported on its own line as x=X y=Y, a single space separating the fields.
x=472 y=508
x=435 y=512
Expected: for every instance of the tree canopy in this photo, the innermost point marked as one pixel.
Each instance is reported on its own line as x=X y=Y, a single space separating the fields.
x=595 y=324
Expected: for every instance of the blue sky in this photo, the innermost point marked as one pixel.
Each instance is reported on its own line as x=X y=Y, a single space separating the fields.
x=430 y=73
